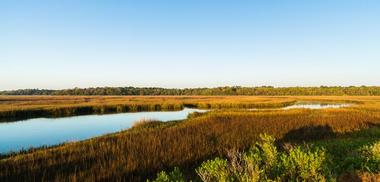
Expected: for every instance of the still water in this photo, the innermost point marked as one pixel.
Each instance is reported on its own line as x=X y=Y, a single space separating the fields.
x=311 y=105
x=15 y=136
x=316 y=106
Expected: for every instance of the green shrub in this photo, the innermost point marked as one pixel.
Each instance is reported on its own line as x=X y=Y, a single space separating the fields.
x=260 y=161
x=174 y=176
x=214 y=170
x=263 y=162
x=364 y=159
x=370 y=158
x=299 y=165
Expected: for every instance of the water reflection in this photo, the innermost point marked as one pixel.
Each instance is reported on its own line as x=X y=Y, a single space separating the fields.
x=15 y=136
x=316 y=106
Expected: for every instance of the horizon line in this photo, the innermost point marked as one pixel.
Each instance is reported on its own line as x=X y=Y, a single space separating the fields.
x=183 y=88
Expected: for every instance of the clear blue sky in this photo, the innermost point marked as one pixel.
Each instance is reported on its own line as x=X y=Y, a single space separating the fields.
x=188 y=43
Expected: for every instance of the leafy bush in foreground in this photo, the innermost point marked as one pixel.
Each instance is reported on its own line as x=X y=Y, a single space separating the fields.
x=370 y=157
x=263 y=162
x=363 y=159
x=300 y=165
x=215 y=170
x=176 y=175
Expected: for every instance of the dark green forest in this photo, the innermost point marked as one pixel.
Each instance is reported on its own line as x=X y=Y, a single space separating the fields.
x=254 y=91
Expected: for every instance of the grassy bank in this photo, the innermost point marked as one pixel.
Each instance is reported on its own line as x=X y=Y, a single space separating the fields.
x=350 y=157
x=21 y=107
x=141 y=152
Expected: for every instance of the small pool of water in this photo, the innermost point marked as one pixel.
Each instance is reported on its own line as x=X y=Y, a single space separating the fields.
x=311 y=105
x=15 y=136
x=316 y=106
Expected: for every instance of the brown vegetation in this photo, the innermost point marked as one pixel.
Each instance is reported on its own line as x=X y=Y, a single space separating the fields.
x=136 y=154
x=140 y=152
x=359 y=177
x=21 y=107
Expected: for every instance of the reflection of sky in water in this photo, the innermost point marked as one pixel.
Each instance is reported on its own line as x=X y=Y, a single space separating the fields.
x=316 y=106
x=48 y=131
x=307 y=106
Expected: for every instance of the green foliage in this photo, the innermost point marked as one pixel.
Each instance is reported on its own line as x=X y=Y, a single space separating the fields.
x=264 y=163
x=174 y=176
x=347 y=154
x=355 y=154
x=257 y=164
x=260 y=160
x=300 y=165
x=264 y=90
x=214 y=170
x=370 y=158
x=266 y=150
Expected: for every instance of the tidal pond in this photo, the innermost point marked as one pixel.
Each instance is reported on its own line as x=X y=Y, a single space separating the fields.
x=38 y=132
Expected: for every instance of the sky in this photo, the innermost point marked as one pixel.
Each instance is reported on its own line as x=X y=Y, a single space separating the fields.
x=188 y=43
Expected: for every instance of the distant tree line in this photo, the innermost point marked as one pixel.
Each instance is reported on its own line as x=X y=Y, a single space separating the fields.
x=237 y=90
